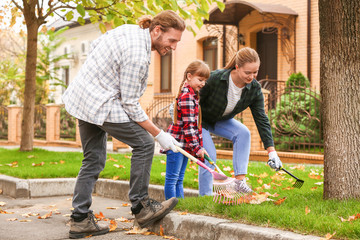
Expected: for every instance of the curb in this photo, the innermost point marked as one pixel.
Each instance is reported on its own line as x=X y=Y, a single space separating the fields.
x=189 y=226
x=198 y=227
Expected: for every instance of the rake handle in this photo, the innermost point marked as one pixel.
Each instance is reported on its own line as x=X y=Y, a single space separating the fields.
x=281 y=168
x=192 y=158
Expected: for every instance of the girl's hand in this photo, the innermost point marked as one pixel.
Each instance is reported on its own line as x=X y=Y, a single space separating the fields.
x=201 y=153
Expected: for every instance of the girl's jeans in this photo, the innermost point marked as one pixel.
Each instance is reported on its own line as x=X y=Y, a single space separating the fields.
x=175 y=171
x=239 y=134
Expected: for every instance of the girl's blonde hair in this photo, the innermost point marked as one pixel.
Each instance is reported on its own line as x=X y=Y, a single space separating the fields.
x=166 y=19
x=244 y=55
x=198 y=68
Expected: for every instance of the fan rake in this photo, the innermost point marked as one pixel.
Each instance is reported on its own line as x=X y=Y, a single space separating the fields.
x=224 y=187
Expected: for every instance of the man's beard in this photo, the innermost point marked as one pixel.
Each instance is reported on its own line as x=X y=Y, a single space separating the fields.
x=158 y=47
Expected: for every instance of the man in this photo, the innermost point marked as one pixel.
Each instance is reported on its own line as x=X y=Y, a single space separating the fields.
x=104 y=97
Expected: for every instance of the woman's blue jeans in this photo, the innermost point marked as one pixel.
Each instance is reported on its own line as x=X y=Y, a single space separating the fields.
x=175 y=171
x=240 y=135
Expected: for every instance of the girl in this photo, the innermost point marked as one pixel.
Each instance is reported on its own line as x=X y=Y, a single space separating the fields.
x=186 y=127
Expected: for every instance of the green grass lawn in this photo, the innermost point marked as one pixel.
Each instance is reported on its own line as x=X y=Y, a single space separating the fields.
x=303 y=210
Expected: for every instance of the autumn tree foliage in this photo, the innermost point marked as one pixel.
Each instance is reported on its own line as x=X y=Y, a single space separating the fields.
x=340 y=91
x=116 y=12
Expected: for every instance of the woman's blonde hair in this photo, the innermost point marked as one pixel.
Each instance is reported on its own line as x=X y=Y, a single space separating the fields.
x=198 y=68
x=166 y=19
x=244 y=55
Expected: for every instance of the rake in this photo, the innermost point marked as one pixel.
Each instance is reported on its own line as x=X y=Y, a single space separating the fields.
x=298 y=183
x=224 y=187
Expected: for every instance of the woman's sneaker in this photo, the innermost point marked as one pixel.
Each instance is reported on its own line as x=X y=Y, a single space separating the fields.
x=87 y=227
x=241 y=186
x=153 y=210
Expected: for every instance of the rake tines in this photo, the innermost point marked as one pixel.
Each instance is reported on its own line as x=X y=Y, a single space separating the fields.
x=225 y=192
x=298 y=183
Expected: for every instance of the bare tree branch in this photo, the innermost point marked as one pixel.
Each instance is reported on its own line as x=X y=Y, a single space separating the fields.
x=17 y=5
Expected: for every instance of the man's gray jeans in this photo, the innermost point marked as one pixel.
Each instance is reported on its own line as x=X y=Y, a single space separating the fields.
x=93 y=139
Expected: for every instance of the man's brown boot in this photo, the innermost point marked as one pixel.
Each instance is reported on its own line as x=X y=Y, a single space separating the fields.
x=153 y=210
x=87 y=227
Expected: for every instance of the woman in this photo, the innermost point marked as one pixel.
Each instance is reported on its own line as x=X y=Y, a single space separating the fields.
x=228 y=92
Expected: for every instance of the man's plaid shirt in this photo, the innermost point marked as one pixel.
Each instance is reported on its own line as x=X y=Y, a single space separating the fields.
x=187 y=131
x=213 y=102
x=112 y=79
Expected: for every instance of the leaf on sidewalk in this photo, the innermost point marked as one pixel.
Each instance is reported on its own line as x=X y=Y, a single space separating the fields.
x=136 y=230
x=11 y=219
x=99 y=216
x=48 y=215
x=161 y=231
x=25 y=220
x=112 y=208
x=113 y=225
x=122 y=219
x=2 y=204
x=5 y=212
x=125 y=204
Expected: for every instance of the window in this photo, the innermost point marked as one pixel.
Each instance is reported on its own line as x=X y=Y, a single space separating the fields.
x=210 y=52
x=166 y=73
x=65 y=76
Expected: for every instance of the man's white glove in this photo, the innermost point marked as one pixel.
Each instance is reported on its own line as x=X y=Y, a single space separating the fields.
x=167 y=141
x=274 y=161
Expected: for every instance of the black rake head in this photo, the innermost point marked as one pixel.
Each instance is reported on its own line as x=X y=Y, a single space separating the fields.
x=298 y=183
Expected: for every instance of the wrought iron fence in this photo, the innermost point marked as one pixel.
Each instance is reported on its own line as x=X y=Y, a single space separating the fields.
x=3 y=123
x=295 y=117
x=67 y=125
x=40 y=122
x=158 y=111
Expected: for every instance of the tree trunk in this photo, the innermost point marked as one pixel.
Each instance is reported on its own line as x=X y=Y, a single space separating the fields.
x=27 y=126
x=340 y=91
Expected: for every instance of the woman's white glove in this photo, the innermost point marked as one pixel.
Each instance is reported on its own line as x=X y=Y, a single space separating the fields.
x=167 y=141
x=274 y=161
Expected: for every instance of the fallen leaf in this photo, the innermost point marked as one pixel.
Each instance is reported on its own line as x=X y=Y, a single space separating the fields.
x=163 y=174
x=258 y=198
x=115 y=177
x=299 y=167
x=314 y=176
x=113 y=225
x=307 y=210
x=227 y=169
x=288 y=188
x=122 y=219
x=112 y=208
x=277 y=177
x=182 y=213
x=25 y=220
x=196 y=180
x=99 y=216
x=112 y=159
x=351 y=218
x=125 y=204
x=328 y=236
x=266 y=186
x=280 y=201
x=163 y=162
x=2 y=204
x=136 y=230
x=5 y=212
x=161 y=230
x=67 y=215
x=11 y=219
x=260 y=181
x=30 y=156
x=37 y=164
x=126 y=156
x=313 y=188
x=62 y=161
x=119 y=166
x=263 y=175
x=48 y=215
x=319 y=183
